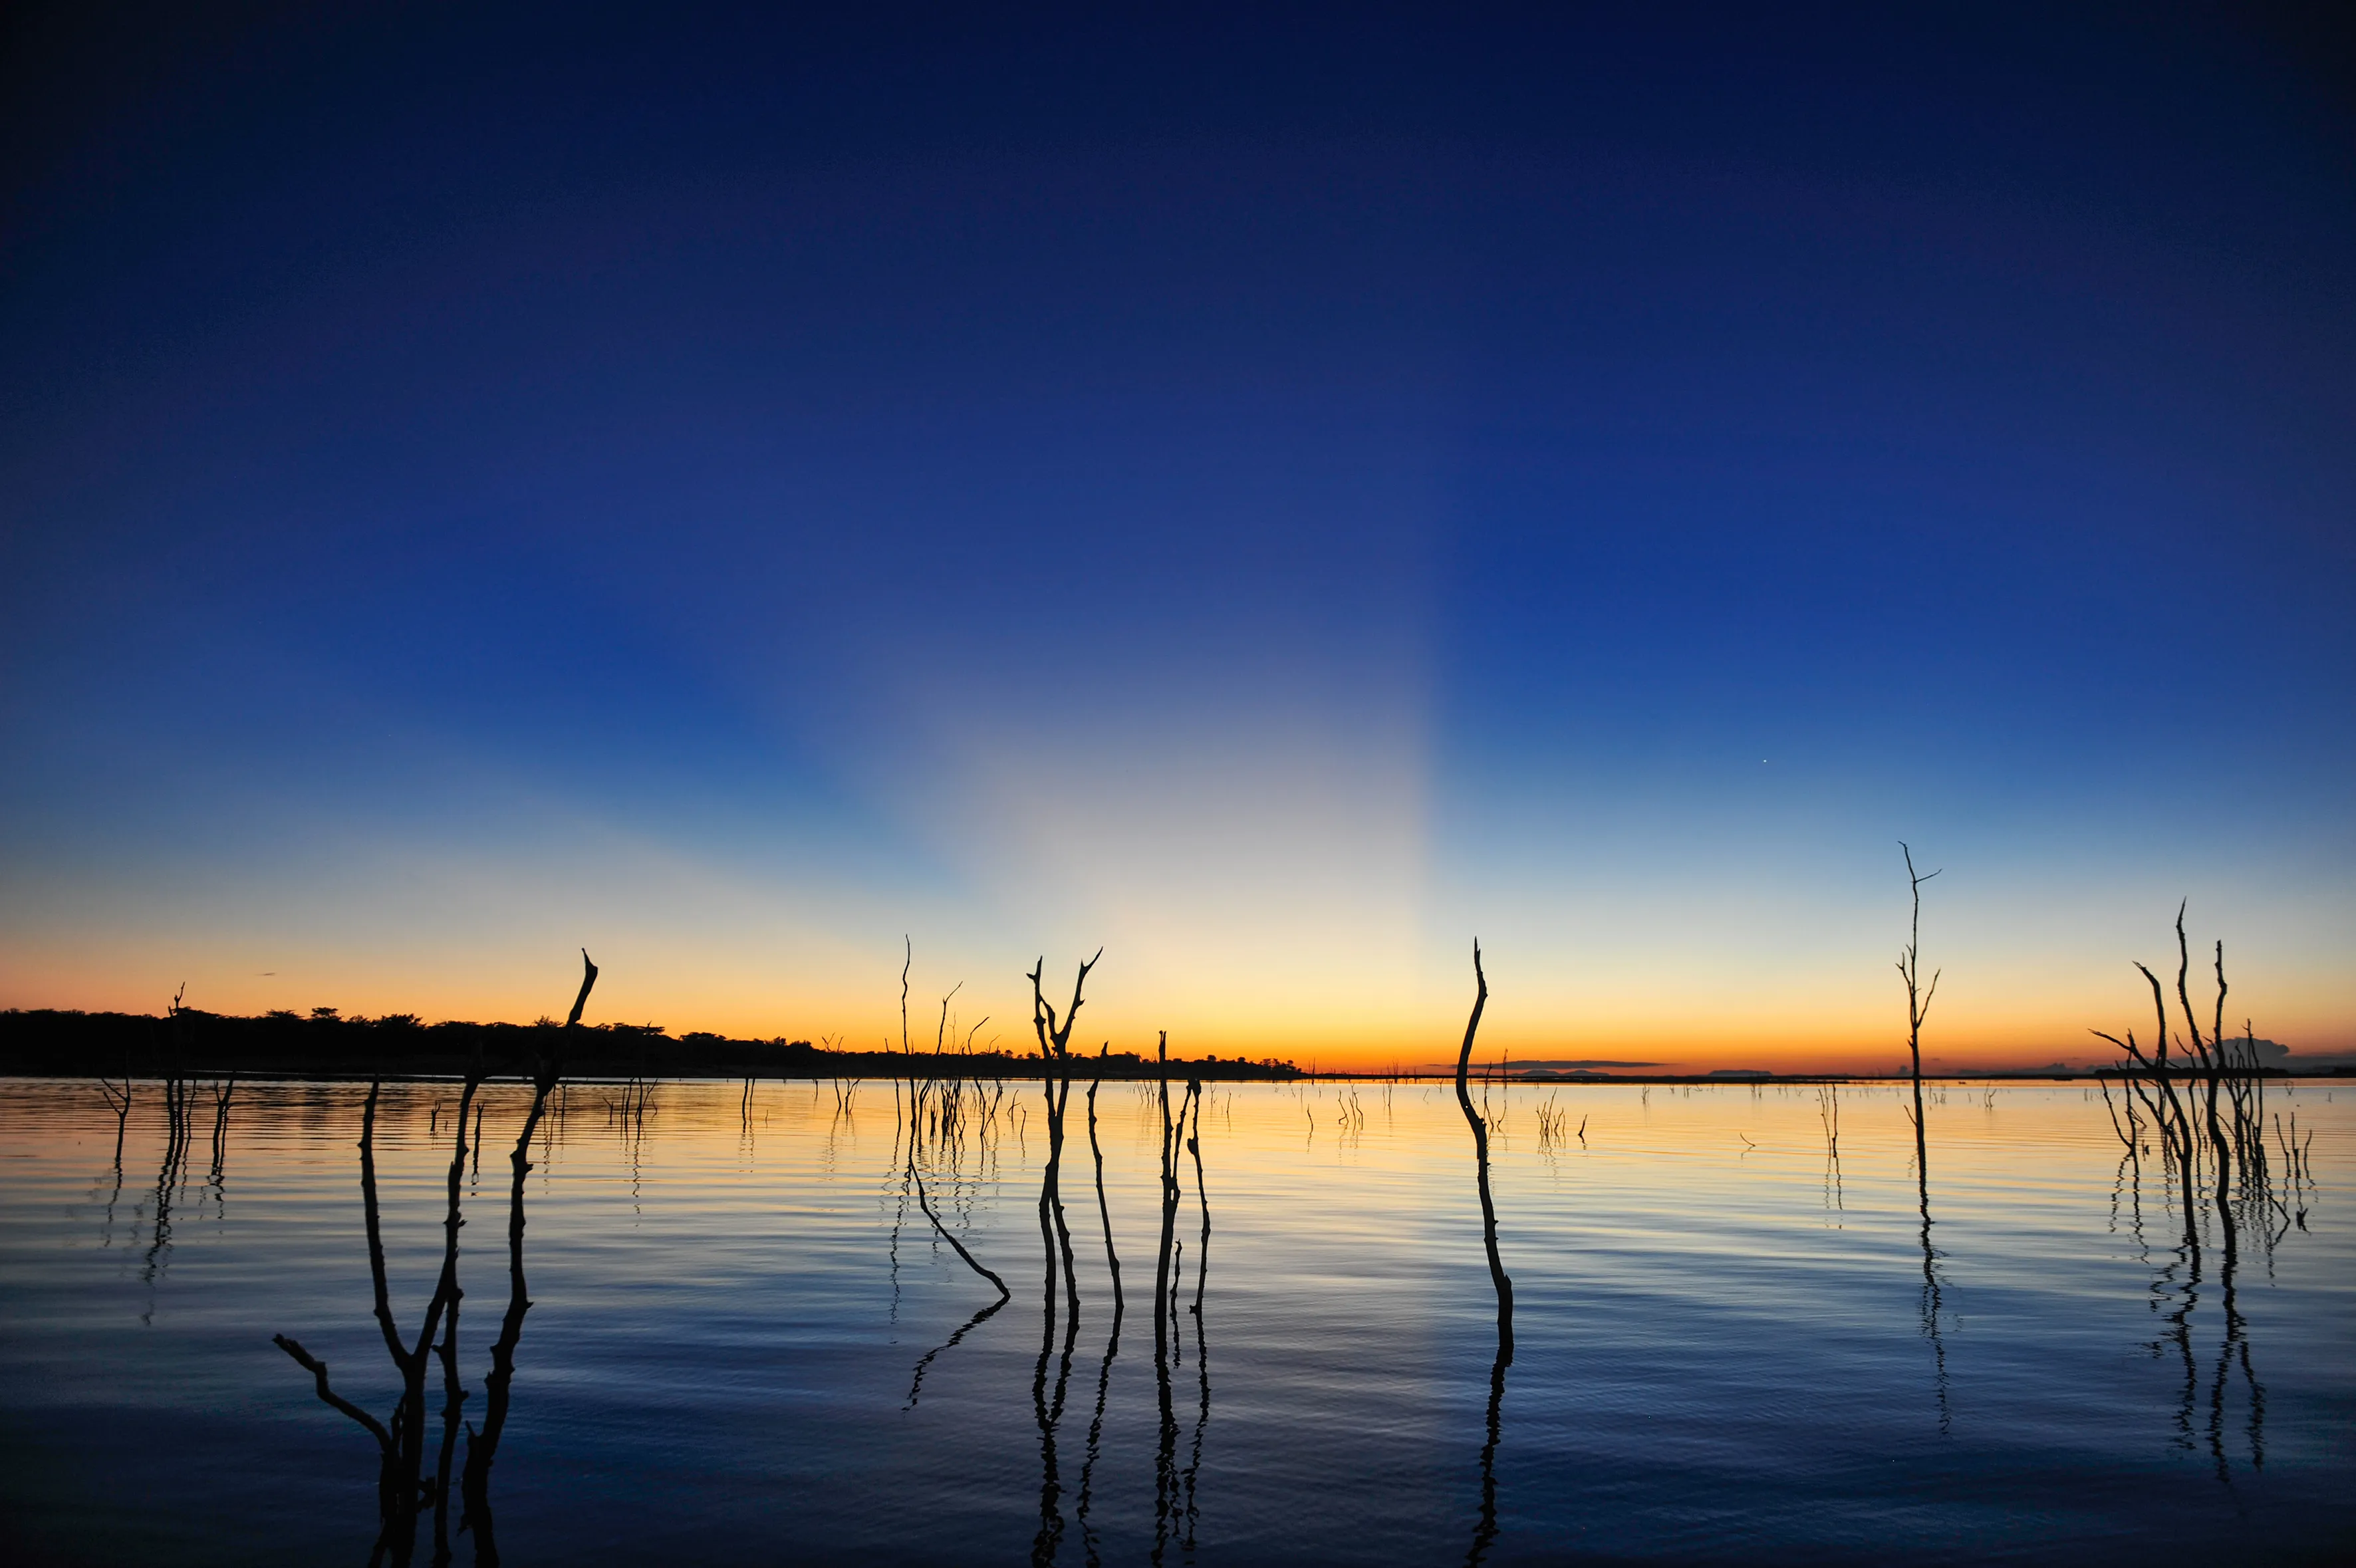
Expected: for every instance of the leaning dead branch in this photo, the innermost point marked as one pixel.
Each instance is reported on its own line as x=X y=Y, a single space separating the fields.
x=1473 y=1119
x=1484 y=1532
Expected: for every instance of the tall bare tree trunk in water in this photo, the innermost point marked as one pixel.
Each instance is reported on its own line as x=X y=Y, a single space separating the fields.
x=1484 y=1534
x=1918 y=1008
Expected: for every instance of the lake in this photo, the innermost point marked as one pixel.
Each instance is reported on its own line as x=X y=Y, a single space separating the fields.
x=748 y=1339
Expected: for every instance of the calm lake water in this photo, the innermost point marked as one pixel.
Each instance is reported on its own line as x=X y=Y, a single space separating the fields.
x=1727 y=1343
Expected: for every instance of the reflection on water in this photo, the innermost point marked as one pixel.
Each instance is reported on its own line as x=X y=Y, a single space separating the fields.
x=2254 y=1198
x=2208 y=1117
x=770 y=1319
x=1934 y=1303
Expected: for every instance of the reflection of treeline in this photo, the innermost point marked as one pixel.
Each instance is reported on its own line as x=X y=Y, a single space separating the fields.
x=324 y=1041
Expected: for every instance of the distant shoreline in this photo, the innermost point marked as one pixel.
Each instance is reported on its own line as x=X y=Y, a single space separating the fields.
x=190 y=1043
x=51 y=1043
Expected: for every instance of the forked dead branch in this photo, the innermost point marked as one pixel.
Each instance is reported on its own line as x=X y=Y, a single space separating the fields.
x=1918 y=1009
x=403 y=1490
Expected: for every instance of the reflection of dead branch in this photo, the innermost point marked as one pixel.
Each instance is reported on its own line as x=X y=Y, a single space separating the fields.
x=221 y=1093
x=1828 y=1112
x=1104 y=1209
x=482 y=1447
x=917 y=1383
x=950 y=1237
x=319 y=1370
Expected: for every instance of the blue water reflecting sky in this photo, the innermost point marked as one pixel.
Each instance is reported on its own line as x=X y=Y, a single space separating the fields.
x=1724 y=1344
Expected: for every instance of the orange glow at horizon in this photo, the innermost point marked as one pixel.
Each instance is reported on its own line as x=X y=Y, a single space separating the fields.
x=1269 y=897
x=1527 y=1020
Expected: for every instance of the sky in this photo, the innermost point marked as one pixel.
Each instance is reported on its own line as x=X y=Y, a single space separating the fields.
x=1274 y=494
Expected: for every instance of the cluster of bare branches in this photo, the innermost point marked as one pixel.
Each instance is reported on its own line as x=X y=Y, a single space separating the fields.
x=1555 y=1129
x=1054 y=1047
x=628 y=1108
x=405 y=1493
x=1175 y=1507
x=181 y=1094
x=2201 y=1109
x=940 y=1109
x=171 y=1180
x=943 y=1112
x=2195 y=1101
x=945 y=1105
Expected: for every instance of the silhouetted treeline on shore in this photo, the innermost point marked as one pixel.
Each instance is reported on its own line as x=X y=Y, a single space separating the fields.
x=45 y=1040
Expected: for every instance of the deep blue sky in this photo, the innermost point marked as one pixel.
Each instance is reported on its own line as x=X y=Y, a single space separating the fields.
x=1275 y=494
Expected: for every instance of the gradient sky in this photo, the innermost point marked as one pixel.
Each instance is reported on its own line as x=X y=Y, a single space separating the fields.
x=1274 y=494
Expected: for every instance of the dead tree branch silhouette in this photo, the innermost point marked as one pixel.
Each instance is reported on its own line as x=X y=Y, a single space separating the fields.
x=1054 y=1042
x=402 y=1489
x=1473 y=1119
x=1918 y=1008
x=1485 y=1533
x=2217 y=1115
x=1055 y=1035
x=588 y=979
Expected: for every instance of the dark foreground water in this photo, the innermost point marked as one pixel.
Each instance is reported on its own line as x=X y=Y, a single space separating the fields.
x=1730 y=1342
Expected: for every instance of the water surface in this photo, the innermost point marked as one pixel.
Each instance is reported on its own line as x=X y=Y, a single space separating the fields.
x=1729 y=1341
